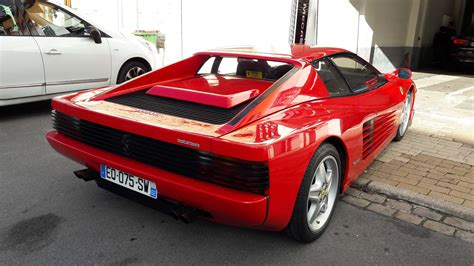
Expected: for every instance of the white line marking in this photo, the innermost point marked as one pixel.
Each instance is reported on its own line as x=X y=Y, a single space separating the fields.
x=434 y=80
x=460 y=120
x=459 y=92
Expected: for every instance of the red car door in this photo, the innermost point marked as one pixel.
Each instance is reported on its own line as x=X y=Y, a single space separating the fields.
x=378 y=102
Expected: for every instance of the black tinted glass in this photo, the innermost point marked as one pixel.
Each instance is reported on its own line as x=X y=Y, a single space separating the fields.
x=333 y=81
x=361 y=76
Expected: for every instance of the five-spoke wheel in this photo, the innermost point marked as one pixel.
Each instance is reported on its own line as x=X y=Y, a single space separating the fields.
x=322 y=193
x=317 y=195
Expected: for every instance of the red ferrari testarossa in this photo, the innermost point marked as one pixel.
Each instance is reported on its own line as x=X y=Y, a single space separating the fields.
x=240 y=137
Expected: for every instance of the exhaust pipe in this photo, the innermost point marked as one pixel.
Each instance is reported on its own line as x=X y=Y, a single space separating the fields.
x=188 y=214
x=86 y=175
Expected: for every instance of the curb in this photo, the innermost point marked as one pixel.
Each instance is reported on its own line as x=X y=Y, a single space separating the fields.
x=416 y=198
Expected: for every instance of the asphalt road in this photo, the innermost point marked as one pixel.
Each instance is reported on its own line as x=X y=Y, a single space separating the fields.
x=47 y=216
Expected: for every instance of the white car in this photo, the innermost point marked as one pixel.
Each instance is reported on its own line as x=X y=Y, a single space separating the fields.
x=48 y=49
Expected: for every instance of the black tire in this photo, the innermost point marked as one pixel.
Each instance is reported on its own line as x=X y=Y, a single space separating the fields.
x=401 y=134
x=122 y=76
x=298 y=227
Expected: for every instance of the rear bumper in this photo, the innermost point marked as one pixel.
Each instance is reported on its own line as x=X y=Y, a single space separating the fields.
x=224 y=204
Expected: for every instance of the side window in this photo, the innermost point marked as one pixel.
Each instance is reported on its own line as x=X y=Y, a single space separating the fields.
x=361 y=76
x=48 y=20
x=12 y=21
x=331 y=78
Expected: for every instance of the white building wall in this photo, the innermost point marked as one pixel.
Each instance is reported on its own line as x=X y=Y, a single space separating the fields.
x=212 y=23
x=378 y=30
x=206 y=24
x=338 y=24
x=388 y=33
x=196 y=25
x=384 y=32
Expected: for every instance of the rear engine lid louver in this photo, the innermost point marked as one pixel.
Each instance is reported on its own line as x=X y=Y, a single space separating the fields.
x=189 y=110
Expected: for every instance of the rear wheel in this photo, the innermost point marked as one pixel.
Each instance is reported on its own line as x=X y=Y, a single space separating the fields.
x=131 y=70
x=405 y=117
x=317 y=196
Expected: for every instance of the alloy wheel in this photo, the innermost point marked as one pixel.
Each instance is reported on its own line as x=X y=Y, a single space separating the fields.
x=322 y=193
x=134 y=72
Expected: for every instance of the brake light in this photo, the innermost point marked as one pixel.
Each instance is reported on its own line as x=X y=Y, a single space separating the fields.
x=460 y=41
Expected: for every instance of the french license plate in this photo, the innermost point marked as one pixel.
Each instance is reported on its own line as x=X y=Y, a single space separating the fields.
x=135 y=183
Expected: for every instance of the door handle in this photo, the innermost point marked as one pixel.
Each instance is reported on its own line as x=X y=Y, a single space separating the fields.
x=53 y=52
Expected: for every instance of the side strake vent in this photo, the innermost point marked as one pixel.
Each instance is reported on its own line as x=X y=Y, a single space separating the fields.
x=368 y=138
x=238 y=174
x=189 y=110
x=376 y=131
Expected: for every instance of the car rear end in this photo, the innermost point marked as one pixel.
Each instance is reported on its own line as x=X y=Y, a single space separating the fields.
x=179 y=178
x=160 y=142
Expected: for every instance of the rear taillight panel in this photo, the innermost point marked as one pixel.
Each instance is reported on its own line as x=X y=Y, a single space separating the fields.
x=242 y=175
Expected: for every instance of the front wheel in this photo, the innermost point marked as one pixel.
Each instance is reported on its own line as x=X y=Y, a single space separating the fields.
x=317 y=196
x=405 y=117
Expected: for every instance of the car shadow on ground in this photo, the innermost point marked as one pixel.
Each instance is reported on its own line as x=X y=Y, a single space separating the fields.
x=24 y=110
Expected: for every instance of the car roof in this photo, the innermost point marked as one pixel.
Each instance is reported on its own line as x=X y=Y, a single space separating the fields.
x=300 y=53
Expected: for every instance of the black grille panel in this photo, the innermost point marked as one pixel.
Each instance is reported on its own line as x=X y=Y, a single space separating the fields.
x=238 y=174
x=183 y=109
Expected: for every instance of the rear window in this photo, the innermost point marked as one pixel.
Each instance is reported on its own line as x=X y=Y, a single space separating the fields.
x=245 y=67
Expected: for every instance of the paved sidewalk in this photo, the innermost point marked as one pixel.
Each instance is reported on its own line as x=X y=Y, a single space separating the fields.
x=412 y=213
x=419 y=163
x=445 y=107
x=436 y=157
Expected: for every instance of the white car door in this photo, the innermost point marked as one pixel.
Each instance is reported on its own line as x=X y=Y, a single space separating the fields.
x=72 y=60
x=21 y=66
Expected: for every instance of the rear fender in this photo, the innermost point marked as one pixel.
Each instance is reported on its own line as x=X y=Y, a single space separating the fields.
x=287 y=140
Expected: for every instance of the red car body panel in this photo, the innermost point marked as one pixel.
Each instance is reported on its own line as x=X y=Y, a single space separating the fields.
x=285 y=124
x=232 y=90
x=203 y=195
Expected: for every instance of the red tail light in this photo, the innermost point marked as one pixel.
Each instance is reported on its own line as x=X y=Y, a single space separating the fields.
x=460 y=41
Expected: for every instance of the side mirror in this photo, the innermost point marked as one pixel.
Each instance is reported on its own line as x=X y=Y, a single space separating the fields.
x=94 y=33
x=403 y=73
